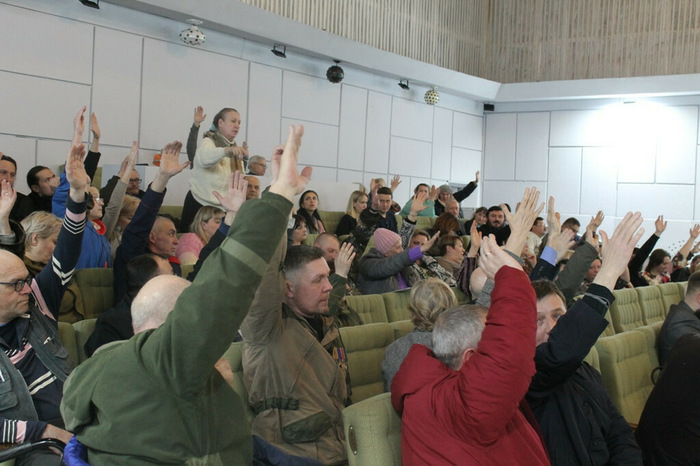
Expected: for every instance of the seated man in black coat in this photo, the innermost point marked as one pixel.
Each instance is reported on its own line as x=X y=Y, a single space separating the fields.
x=681 y=318
x=579 y=423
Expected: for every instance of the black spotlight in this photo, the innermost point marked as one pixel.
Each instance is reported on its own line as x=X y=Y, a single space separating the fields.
x=91 y=3
x=403 y=84
x=280 y=53
x=335 y=73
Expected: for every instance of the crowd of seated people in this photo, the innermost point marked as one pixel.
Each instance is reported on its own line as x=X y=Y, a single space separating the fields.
x=538 y=296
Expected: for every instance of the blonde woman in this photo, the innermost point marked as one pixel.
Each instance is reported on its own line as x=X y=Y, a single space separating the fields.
x=205 y=223
x=41 y=233
x=356 y=204
x=429 y=298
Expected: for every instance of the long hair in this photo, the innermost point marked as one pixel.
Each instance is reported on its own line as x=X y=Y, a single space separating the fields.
x=355 y=197
x=311 y=219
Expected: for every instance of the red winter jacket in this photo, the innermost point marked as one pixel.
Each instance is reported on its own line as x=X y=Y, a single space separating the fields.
x=472 y=416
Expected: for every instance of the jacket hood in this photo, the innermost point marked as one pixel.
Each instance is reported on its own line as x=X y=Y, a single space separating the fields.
x=418 y=369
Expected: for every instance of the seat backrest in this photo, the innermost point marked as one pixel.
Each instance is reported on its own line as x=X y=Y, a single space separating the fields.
x=365 y=346
x=626 y=364
x=652 y=304
x=83 y=329
x=369 y=307
x=593 y=359
x=610 y=329
x=625 y=311
x=396 y=305
x=97 y=290
x=401 y=328
x=234 y=356
x=671 y=293
x=67 y=334
x=372 y=432
x=330 y=219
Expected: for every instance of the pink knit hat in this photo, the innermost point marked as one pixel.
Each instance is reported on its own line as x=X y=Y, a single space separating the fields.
x=385 y=239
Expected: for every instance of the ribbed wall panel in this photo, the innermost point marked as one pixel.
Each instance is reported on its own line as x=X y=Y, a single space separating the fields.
x=518 y=40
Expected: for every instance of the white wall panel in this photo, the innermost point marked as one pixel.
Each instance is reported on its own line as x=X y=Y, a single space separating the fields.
x=49 y=153
x=510 y=192
x=378 y=128
x=265 y=110
x=636 y=163
x=564 y=178
x=325 y=174
x=442 y=144
x=353 y=118
x=581 y=128
x=114 y=155
x=320 y=145
x=410 y=157
x=51 y=105
x=598 y=181
x=468 y=131
x=351 y=176
x=311 y=99
x=532 y=146
x=671 y=201
x=116 y=95
x=677 y=143
x=465 y=164
x=44 y=45
x=499 y=163
x=412 y=120
x=176 y=79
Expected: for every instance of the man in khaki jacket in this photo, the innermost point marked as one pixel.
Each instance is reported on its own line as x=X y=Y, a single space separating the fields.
x=294 y=361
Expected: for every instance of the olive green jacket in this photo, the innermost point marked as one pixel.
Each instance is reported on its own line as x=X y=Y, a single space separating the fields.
x=156 y=398
x=295 y=386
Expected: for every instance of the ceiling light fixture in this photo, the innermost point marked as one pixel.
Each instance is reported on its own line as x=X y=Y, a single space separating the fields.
x=192 y=35
x=335 y=73
x=432 y=96
x=280 y=53
x=91 y=3
x=403 y=84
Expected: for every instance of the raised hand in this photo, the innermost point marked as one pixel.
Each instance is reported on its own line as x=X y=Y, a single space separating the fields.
x=289 y=181
x=418 y=203
x=169 y=166
x=395 y=182
x=596 y=221
x=476 y=177
x=695 y=231
x=199 y=116
x=521 y=222
x=492 y=258
x=553 y=217
x=78 y=127
x=76 y=175
x=8 y=197
x=561 y=242
x=128 y=163
x=660 y=225
x=617 y=250
x=425 y=247
x=244 y=151
x=94 y=126
x=235 y=194
x=474 y=240
x=344 y=260
x=434 y=192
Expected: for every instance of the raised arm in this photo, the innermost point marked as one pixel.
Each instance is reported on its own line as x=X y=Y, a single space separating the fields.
x=51 y=282
x=505 y=352
x=227 y=284
x=636 y=263
x=116 y=199
x=199 y=117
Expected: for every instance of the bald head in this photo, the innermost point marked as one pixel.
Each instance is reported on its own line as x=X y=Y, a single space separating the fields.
x=13 y=303
x=155 y=301
x=163 y=237
x=329 y=244
x=253 y=187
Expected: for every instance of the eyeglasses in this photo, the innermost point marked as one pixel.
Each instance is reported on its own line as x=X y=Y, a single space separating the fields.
x=19 y=284
x=135 y=180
